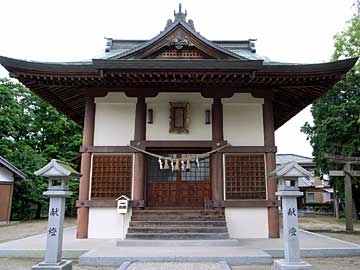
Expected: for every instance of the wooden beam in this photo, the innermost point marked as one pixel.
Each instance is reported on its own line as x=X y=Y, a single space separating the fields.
x=338 y=159
x=251 y=203
x=343 y=173
x=106 y=149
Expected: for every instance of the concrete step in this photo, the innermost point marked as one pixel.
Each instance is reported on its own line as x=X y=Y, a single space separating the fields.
x=183 y=214
x=178 y=243
x=181 y=229
x=177 y=211
x=180 y=236
x=115 y=256
x=178 y=223
x=176 y=218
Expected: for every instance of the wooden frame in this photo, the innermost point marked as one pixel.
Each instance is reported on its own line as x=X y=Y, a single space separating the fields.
x=179 y=118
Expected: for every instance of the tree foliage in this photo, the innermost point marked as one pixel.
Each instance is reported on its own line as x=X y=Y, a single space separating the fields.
x=31 y=134
x=336 y=127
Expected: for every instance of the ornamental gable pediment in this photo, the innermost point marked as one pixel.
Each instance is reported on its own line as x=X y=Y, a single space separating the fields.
x=179 y=42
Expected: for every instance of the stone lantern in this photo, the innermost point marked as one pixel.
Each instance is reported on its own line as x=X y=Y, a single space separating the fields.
x=58 y=174
x=288 y=176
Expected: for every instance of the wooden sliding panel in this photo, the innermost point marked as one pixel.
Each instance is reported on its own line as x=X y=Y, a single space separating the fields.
x=111 y=176
x=245 y=177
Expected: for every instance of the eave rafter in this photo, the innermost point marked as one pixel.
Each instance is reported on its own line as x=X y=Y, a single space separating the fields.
x=65 y=86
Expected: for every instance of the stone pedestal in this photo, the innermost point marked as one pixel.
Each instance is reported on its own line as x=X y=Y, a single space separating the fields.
x=289 y=175
x=55 y=233
x=292 y=259
x=283 y=265
x=62 y=265
x=58 y=174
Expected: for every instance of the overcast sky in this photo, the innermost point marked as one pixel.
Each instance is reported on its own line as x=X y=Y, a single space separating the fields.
x=69 y=30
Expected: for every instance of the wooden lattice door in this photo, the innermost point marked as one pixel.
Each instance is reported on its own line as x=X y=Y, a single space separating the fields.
x=167 y=188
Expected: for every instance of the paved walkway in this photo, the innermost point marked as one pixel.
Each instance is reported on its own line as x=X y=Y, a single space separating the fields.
x=246 y=251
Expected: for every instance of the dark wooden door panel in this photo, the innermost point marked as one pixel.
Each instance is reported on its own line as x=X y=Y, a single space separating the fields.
x=178 y=194
x=5 y=198
x=161 y=194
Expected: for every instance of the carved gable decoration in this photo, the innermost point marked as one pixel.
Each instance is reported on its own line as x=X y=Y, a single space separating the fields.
x=179 y=39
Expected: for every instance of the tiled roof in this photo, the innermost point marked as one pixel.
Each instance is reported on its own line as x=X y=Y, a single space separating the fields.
x=285 y=158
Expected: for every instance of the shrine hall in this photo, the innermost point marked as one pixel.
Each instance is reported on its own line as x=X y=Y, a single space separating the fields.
x=181 y=125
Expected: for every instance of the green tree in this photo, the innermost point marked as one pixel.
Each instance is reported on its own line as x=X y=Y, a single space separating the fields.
x=336 y=127
x=31 y=134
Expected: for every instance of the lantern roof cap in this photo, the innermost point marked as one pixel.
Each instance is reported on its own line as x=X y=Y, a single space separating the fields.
x=57 y=168
x=123 y=197
x=290 y=169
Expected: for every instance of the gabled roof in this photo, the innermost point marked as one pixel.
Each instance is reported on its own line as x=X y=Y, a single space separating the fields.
x=290 y=169
x=180 y=31
x=57 y=168
x=12 y=168
x=285 y=158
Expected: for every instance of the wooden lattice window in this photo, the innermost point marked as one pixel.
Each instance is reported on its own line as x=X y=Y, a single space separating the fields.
x=245 y=177
x=111 y=176
x=183 y=53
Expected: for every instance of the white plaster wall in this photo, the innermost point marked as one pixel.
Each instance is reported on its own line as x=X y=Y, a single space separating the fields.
x=6 y=175
x=114 y=124
x=247 y=222
x=107 y=223
x=159 y=130
x=243 y=124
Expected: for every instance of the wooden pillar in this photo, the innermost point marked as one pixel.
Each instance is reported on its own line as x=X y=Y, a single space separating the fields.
x=348 y=199
x=88 y=139
x=217 y=120
x=270 y=159
x=140 y=120
x=216 y=158
x=139 y=158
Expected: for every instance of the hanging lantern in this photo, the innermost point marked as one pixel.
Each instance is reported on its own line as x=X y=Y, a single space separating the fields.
x=188 y=165
x=166 y=165
x=160 y=164
x=177 y=167
x=172 y=165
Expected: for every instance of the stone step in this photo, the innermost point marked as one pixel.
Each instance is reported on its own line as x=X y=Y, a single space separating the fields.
x=203 y=211
x=179 y=212
x=177 y=223
x=178 y=243
x=180 y=236
x=176 y=217
x=177 y=230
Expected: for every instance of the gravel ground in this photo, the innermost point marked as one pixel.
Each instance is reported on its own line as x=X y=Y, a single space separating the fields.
x=331 y=226
x=325 y=223
x=27 y=228
x=348 y=263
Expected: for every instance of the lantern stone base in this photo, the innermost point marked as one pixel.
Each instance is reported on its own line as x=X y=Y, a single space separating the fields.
x=284 y=265
x=62 y=265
